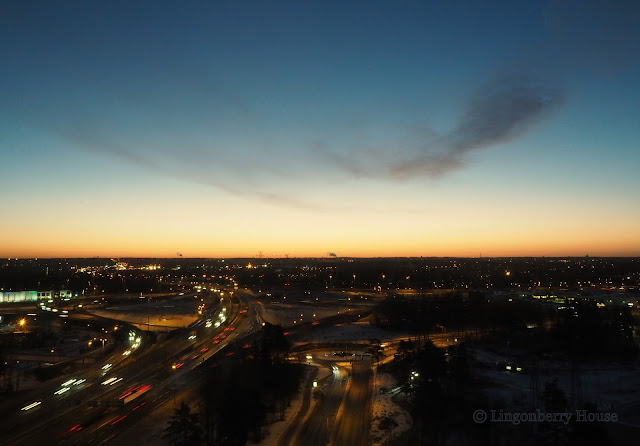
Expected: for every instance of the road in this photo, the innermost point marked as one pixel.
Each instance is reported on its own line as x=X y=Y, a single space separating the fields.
x=353 y=421
x=342 y=416
x=66 y=418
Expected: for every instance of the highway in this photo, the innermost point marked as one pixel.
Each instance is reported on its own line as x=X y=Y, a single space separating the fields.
x=316 y=427
x=103 y=404
x=342 y=415
x=50 y=396
x=88 y=413
x=354 y=416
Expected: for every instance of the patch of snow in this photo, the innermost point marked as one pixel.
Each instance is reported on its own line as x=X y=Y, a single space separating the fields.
x=383 y=406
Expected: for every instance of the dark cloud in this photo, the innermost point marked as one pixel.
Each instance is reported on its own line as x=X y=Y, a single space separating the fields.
x=499 y=112
x=502 y=110
x=600 y=37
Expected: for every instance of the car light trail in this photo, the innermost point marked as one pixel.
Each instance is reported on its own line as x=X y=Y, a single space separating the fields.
x=32 y=405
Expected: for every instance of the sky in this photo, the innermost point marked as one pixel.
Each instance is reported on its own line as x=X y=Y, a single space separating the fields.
x=303 y=128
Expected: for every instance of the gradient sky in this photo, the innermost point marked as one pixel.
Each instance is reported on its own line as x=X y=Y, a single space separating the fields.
x=396 y=128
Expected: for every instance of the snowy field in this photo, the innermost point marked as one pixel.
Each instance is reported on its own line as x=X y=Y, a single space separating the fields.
x=289 y=315
x=161 y=315
x=612 y=388
x=358 y=331
x=384 y=407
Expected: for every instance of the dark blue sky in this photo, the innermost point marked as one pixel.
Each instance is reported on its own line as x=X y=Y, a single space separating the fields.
x=316 y=111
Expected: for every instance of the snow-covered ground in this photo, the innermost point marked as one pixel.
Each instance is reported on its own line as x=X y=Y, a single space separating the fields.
x=384 y=407
x=159 y=316
x=358 y=331
x=289 y=315
x=610 y=387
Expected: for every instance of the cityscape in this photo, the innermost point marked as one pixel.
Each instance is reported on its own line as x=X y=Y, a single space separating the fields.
x=320 y=223
x=320 y=350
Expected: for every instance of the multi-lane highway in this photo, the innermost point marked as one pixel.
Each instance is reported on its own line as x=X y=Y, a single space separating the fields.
x=110 y=398
x=101 y=401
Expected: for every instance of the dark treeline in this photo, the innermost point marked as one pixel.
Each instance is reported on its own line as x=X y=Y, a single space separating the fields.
x=581 y=331
x=444 y=393
x=456 y=311
x=241 y=396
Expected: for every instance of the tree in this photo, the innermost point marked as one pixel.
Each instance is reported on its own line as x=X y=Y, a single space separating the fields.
x=274 y=344
x=376 y=350
x=183 y=428
x=387 y=424
x=553 y=399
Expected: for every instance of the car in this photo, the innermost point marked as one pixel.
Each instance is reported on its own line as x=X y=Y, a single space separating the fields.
x=513 y=368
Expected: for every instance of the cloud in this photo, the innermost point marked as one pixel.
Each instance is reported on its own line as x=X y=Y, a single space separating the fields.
x=500 y=111
x=202 y=170
x=430 y=165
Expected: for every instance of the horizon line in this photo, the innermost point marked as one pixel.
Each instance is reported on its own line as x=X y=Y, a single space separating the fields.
x=587 y=256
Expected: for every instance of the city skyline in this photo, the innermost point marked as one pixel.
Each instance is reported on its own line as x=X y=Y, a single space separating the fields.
x=363 y=129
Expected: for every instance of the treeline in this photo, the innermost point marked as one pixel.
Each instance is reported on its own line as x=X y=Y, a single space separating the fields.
x=443 y=392
x=446 y=396
x=240 y=396
x=455 y=311
x=582 y=332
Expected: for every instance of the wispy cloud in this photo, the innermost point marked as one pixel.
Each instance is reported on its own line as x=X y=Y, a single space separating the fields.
x=201 y=170
x=500 y=111
x=87 y=138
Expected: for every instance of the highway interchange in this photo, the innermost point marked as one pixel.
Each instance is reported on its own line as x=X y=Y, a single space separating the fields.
x=91 y=411
x=109 y=398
